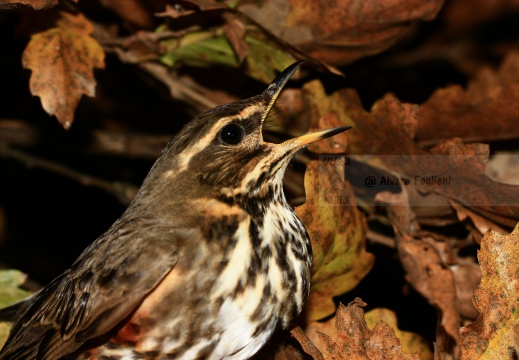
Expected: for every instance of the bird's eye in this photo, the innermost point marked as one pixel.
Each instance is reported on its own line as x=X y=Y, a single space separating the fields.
x=232 y=134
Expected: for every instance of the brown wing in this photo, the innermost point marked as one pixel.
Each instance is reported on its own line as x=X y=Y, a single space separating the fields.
x=107 y=282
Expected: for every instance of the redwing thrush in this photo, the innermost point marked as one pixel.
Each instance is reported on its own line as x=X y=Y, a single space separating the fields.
x=206 y=262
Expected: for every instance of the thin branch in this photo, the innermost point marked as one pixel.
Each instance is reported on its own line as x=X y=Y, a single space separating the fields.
x=178 y=89
x=380 y=239
x=124 y=192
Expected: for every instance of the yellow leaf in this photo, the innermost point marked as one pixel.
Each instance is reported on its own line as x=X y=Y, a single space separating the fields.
x=338 y=240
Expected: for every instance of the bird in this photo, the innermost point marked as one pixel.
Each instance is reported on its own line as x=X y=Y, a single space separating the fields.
x=206 y=262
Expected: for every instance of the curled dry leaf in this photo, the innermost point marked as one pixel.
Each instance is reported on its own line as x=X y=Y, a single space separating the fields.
x=62 y=60
x=454 y=112
x=491 y=336
x=354 y=340
x=353 y=28
x=425 y=268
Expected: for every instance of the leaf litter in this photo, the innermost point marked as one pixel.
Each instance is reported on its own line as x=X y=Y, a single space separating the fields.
x=446 y=135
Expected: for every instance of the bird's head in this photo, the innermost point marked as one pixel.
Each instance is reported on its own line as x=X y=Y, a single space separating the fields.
x=221 y=153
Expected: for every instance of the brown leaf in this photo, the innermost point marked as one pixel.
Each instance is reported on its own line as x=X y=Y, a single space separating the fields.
x=389 y=130
x=352 y=28
x=306 y=343
x=424 y=266
x=411 y=342
x=467 y=276
x=17 y=5
x=353 y=340
x=460 y=15
x=131 y=11
x=491 y=336
x=481 y=222
x=62 y=61
x=235 y=32
x=454 y=112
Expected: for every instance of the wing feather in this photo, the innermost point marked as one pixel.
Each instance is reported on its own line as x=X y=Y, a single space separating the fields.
x=107 y=282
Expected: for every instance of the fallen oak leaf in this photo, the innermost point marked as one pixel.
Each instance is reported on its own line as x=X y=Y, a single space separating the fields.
x=389 y=129
x=425 y=269
x=353 y=340
x=411 y=342
x=62 y=60
x=454 y=112
x=353 y=28
x=491 y=336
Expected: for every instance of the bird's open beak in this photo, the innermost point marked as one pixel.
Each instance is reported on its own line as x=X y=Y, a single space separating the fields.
x=309 y=138
x=275 y=87
x=273 y=92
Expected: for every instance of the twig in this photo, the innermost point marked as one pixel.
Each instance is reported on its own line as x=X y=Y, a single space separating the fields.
x=380 y=239
x=124 y=192
x=24 y=134
x=177 y=88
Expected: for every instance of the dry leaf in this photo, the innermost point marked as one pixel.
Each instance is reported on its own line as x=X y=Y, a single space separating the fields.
x=389 y=130
x=132 y=11
x=454 y=112
x=491 y=336
x=353 y=28
x=353 y=340
x=62 y=60
x=411 y=342
x=17 y=5
x=424 y=266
